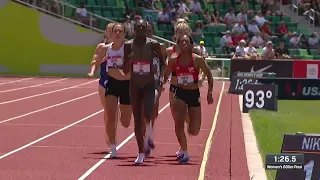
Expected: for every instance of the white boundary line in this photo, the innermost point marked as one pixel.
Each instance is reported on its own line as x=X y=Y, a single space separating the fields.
x=50 y=92
x=254 y=161
x=46 y=108
x=51 y=134
x=210 y=137
x=86 y=174
x=37 y=85
x=9 y=82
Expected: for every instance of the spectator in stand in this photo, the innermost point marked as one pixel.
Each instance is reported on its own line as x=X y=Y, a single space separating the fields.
x=260 y=19
x=239 y=28
x=230 y=18
x=257 y=40
x=303 y=42
x=226 y=39
x=202 y=50
x=268 y=52
x=303 y=6
x=44 y=4
x=241 y=51
x=175 y=13
x=252 y=52
x=195 y=7
x=183 y=7
x=316 y=7
x=163 y=16
x=252 y=28
x=266 y=31
x=229 y=49
x=128 y=26
x=82 y=15
x=217 y=19
x=294 y=41
x=281 y=52
x=313 y=41
x=243 y=17
x=198 y=31
x=55 y=8
x=207 y=17
x=237 y=37
x=283 y=30
x=245 y=5
x=265 y=8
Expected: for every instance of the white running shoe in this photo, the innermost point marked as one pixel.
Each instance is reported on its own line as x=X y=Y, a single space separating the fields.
x=113 y=149
x=140 y=158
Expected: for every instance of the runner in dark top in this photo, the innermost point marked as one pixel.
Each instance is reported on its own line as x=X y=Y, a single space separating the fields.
x=138 y=60
x=186 y=100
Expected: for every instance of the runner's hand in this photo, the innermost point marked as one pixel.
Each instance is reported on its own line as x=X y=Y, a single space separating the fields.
x=90 y=74
x=200 y=82
x=209 y=98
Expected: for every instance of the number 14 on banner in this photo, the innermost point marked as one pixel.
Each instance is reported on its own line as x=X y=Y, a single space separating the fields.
x=260 y=96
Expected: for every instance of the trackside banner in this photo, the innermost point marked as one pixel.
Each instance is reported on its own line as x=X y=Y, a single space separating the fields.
x=306 y=69
x=288 y=88
x=282 y=68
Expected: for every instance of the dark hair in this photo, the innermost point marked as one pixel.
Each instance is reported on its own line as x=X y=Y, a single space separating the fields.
x=191 y=40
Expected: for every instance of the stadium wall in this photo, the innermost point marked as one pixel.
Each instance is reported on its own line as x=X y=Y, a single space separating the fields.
x=33 y=43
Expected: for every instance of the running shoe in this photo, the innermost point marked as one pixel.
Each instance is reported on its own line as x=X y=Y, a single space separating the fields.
x=140 y=159
x=184 y=160
x=151 y=144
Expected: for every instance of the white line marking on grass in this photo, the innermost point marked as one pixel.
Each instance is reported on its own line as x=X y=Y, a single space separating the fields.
x=9 y=82
x=49 y=135
x=37 y=85
x=86 y=174
x=50 y=92
x=46 y=108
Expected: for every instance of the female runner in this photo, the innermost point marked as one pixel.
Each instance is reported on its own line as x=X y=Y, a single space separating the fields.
x=117 y=86
x=186 y=101
x=103 y=69
x=155 y=111
x=181 y=28
x=117 y=90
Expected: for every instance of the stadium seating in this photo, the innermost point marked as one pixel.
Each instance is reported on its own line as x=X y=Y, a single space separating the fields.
x=115 y=10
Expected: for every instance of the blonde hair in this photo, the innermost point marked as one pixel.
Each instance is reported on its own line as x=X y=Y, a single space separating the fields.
x=181 y=26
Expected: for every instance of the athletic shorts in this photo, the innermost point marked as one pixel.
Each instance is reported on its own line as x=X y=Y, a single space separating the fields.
x=119 y=89
x=173 y=88
x=190 y=96
x=103 y=82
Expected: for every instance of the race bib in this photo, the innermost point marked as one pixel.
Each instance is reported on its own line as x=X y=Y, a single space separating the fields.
x=115 y=62
x=185 y=79
x=141 y=67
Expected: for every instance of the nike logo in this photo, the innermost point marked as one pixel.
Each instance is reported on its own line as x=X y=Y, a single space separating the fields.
x=260 y=70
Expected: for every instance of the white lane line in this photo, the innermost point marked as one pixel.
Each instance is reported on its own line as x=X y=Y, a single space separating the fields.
x=46 y=108
x=86 y=174
x=210 y=137
x=9 y=82
x=50 y=92
x=37 y=85
x=49 y=135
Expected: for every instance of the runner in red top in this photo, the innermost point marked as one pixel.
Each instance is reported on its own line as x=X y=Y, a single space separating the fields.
x=186 y=99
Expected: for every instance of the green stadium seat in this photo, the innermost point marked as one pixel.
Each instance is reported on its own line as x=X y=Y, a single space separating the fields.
x=111 y=3
x=317 y=57
x=293 y=52
x=314 y=52
x=120 y=4
x=91 y=2
x=101 y=2
x=218 y=50
x=222 y=29
x=210 y=51
x=216 y=41
x=211 y=29
x=194 y=17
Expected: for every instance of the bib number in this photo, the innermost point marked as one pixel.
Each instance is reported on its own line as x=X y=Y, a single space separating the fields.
x=115 y=63
x=141 y=68
x=185 y=79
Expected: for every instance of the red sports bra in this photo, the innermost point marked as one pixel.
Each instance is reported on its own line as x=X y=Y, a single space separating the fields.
x=187 y=75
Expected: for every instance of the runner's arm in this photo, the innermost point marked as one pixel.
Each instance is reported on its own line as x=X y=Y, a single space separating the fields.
x=127 y=57
x=167 y=71
x=97 y=58
x=201 y=62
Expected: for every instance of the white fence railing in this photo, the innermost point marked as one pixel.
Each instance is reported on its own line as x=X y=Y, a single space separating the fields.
x=312 y=18
x=93 y=21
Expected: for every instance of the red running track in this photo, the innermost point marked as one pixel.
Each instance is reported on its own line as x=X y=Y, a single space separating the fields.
x=67 y=140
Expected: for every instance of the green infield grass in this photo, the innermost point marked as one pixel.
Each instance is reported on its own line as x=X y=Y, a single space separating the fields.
x=292 y=116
